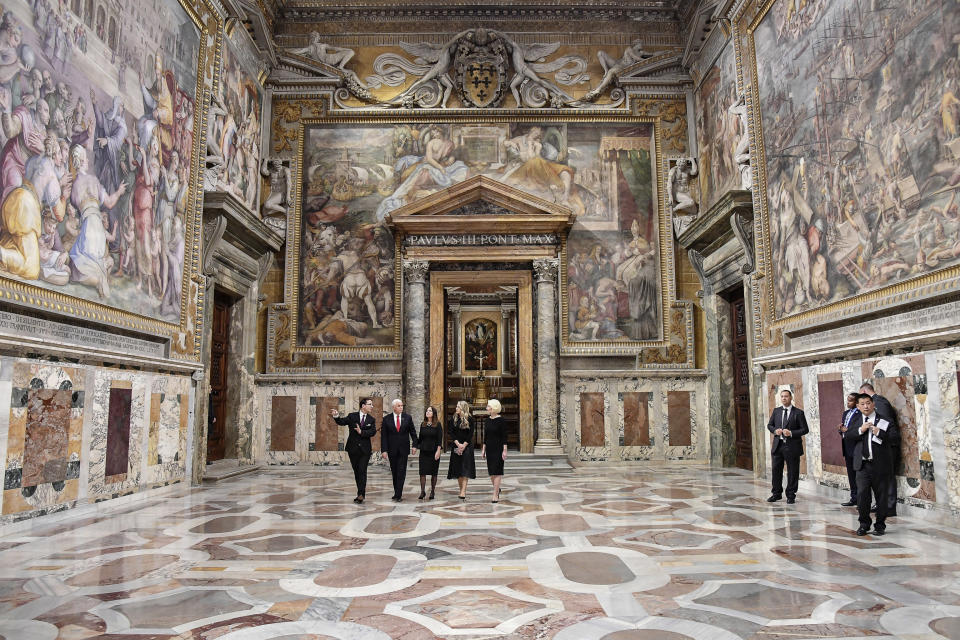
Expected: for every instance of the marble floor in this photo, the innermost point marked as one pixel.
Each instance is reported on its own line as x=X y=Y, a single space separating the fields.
x=646 y=553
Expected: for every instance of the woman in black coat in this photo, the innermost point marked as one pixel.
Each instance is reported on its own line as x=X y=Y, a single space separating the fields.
x=460 y=434
x=431 y=446
x=495 y=440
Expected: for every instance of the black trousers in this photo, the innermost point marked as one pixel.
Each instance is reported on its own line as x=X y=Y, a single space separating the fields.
x=793 y=474
x=359 y=461
x=851 y=478
x=398 y=469
x=892 y=489
x=872 y=481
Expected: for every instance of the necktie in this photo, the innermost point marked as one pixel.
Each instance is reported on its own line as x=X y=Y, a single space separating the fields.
x=398 y=424
x=869 y=440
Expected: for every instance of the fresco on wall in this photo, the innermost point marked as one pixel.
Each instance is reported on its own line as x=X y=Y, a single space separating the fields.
x=234 y=142
x=860 y=122
x=717 y=130
x=97 y=122
x=353 y=176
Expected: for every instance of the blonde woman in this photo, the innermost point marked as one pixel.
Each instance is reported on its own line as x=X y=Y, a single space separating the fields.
x=495 y=439
x=460 y=434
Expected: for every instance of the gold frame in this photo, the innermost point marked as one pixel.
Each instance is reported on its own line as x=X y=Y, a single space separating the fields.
x=24 y=295
x=770 y=328
x=470 y=316
x=639 y=115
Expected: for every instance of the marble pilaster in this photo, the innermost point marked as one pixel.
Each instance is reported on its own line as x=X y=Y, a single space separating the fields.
x=545 y=275
x=415 y=272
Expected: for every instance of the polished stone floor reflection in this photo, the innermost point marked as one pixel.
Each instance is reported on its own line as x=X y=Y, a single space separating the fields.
x=645 y=553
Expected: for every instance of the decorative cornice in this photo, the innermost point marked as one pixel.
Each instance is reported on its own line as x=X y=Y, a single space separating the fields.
x=550 y=10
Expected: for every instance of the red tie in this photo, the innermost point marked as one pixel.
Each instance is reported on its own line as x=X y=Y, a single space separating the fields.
x=398 y=424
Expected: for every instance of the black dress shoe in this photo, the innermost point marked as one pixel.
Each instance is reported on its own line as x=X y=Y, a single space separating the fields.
x=791 y=500
x=773 y=498
x=862 y=531
x=399 y=498
x=358 y=499
x=873 y=509
x=879 y=532
x=849 y=503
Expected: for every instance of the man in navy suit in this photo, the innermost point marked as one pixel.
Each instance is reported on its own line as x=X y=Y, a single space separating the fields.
x=788 y=426
x=847 y=448
x=363 y=426
x=394 y=431
x=869 y=434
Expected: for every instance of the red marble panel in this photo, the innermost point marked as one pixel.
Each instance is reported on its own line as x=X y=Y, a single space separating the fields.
x=678 y=418
x=591 y=420
x=283 y=423
x=378 y=414
x=832 y=405
x=325 y=429
x=636 y=419
x=47 y=436
x=118 y=433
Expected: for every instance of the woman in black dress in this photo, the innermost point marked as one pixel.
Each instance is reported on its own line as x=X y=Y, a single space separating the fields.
x=431 y=446
x=460 y=434
x=494 y=440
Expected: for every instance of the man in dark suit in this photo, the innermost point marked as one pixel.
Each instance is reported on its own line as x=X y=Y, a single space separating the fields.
x=873 y=461
x=396 y=428
x=363 y=426
x=788 y=425
x=885 y=410
x=847 y=448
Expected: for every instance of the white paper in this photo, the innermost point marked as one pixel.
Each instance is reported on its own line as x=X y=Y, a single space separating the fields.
x=877 y=440
x=882 y=424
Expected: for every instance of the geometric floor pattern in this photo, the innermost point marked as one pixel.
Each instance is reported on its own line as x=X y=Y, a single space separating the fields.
x=646 y=553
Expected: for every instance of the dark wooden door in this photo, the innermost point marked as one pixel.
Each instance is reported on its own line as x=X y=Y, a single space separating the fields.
x=741 y=383
x=219 y=345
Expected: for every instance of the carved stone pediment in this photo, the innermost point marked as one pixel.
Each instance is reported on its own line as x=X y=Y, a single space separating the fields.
x=292 y=68
x=481 y=204
x=663 y=66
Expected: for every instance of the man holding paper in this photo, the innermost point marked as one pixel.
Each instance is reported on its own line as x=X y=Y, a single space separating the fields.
x=867 y=436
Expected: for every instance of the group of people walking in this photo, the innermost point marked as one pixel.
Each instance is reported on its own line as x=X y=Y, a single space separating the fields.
x=397 y=429
x=871 y=450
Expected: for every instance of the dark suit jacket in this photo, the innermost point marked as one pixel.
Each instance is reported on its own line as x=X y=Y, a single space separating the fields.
x=885 y=410
x=796 y=423
x=882 y=456
x=358 y=442
x=395 y=443
x=844 y=445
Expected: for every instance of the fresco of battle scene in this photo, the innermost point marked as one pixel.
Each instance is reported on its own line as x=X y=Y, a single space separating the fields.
x=234 y=141
x=353 y=176
x=860 y=121
x=717 y=130
x=97 y=132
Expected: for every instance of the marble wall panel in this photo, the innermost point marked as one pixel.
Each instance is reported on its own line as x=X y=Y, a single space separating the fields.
x=326 y=435
x=623 y=397
x=283 y=423
x=592 y=427
x=832 y=402
x=636 y=419
x=118 y=431
x=44 y=436
x=678 y=418
x=314 y=400
x=105 y=480
x=169 y=418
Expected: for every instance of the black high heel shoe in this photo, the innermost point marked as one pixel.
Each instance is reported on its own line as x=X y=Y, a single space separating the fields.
x=423 y=494
x=462 y=497
x=497 y=498
x=431 y=496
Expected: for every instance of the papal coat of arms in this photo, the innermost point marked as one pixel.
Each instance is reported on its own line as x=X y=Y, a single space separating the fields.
x=480 y=66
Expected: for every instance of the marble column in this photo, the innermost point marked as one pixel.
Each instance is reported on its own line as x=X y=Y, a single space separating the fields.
x=504 y=339
x=456 y=310
x=416 y=336
x=545 y=275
